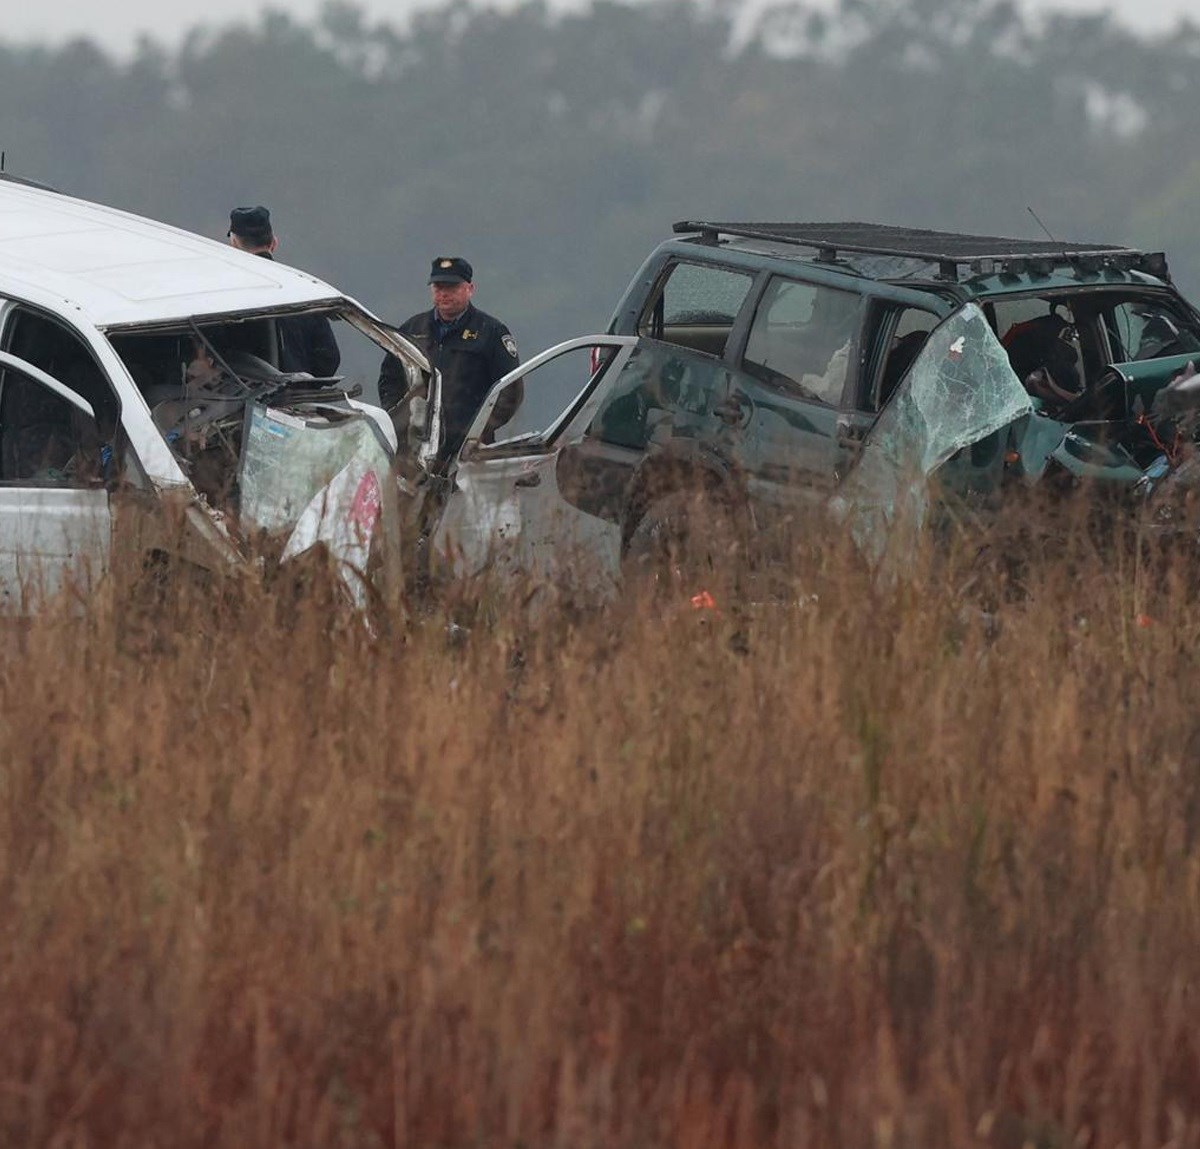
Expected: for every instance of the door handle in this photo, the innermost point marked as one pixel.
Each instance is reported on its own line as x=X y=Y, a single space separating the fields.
x=533 y=479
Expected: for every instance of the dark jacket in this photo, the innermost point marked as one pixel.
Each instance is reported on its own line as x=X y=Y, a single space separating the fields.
x=471 y=353
x=306 y=342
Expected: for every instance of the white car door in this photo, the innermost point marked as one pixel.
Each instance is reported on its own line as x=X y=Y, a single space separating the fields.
x=504 y=510
x=55 y=519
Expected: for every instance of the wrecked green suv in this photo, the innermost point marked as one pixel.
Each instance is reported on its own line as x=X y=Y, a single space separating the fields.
x=775 y=367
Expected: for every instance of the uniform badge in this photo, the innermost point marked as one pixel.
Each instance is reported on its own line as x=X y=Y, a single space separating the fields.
x=470 y=334
x=510 y=345
x=446 y=263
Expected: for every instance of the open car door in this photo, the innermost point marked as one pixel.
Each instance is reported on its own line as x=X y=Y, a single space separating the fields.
x=504 y=508
x=55 y=517
x=959 y=390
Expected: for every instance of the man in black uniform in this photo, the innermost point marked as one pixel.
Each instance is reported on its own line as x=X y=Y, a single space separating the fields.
x=470 y=348
x=306 y=342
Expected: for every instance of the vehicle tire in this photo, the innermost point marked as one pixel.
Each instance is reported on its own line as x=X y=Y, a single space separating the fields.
x=686 y=542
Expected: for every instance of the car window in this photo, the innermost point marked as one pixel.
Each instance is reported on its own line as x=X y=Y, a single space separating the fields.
x=696 y=307
x=907 y=336
x=1148 y=329
x=46 y=441
x=802 y=338
x=43 y=438
x=164 y=364
x=1051 y=349
x=1010 y=314
x=59 y=352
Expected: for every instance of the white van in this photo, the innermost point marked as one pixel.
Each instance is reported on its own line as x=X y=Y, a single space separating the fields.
x=138 y=374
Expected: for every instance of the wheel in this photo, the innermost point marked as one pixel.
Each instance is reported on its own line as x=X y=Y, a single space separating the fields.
x=686 y=542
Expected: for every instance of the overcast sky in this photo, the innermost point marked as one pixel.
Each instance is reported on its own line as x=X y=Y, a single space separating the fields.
x=118 y=23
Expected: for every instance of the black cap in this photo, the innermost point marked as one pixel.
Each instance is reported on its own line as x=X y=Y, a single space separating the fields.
x=252 y=224
x=450 y=269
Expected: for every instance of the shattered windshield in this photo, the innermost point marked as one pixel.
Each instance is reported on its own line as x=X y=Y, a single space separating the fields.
x=199 y=378
x=326 y=347
x=960 y=389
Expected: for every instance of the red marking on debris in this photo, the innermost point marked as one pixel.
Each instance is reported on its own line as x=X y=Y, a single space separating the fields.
x=703 y=601
x=1144 y=621
x=368 y=503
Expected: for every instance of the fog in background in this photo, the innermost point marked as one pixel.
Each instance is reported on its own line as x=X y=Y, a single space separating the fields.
x=554 y=147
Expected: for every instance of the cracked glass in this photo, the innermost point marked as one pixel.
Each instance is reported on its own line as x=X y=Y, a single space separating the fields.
x=960 y=389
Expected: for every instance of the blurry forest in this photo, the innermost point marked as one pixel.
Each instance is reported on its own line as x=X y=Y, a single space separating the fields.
x=554 y=149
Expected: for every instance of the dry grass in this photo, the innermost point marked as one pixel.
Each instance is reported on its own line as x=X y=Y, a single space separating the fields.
x=871 y=868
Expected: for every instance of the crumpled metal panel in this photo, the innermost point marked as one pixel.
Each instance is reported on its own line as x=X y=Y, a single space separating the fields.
x=343 y=516
x=960 y=389
x=286 y=461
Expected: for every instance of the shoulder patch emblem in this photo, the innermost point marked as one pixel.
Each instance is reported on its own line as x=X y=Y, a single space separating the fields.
x=510 y=345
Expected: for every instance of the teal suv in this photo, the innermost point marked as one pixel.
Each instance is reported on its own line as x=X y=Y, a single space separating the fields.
x=775 y=367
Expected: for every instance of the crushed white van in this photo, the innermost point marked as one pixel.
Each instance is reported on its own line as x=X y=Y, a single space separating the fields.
x=139 y=385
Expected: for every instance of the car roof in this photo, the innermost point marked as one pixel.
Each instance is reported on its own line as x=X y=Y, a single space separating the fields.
x=124 y=269
x=884 y=252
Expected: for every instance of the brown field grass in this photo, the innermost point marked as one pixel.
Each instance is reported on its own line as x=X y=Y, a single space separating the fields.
x=869 y=868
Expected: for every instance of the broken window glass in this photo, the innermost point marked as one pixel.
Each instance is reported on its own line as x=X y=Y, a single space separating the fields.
x=960 y=389
x=696 y=307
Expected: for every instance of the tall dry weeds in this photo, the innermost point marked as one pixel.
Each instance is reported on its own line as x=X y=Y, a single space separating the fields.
x=907 y=865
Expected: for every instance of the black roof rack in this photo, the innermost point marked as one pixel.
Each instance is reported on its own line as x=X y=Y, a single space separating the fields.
x=950 y=250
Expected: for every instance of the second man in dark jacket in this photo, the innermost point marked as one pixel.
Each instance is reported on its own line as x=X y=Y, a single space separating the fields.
x=306 y=342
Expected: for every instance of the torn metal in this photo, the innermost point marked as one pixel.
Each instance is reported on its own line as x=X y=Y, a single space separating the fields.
x=288 y=459
x=140 y=389
x=253 y=460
